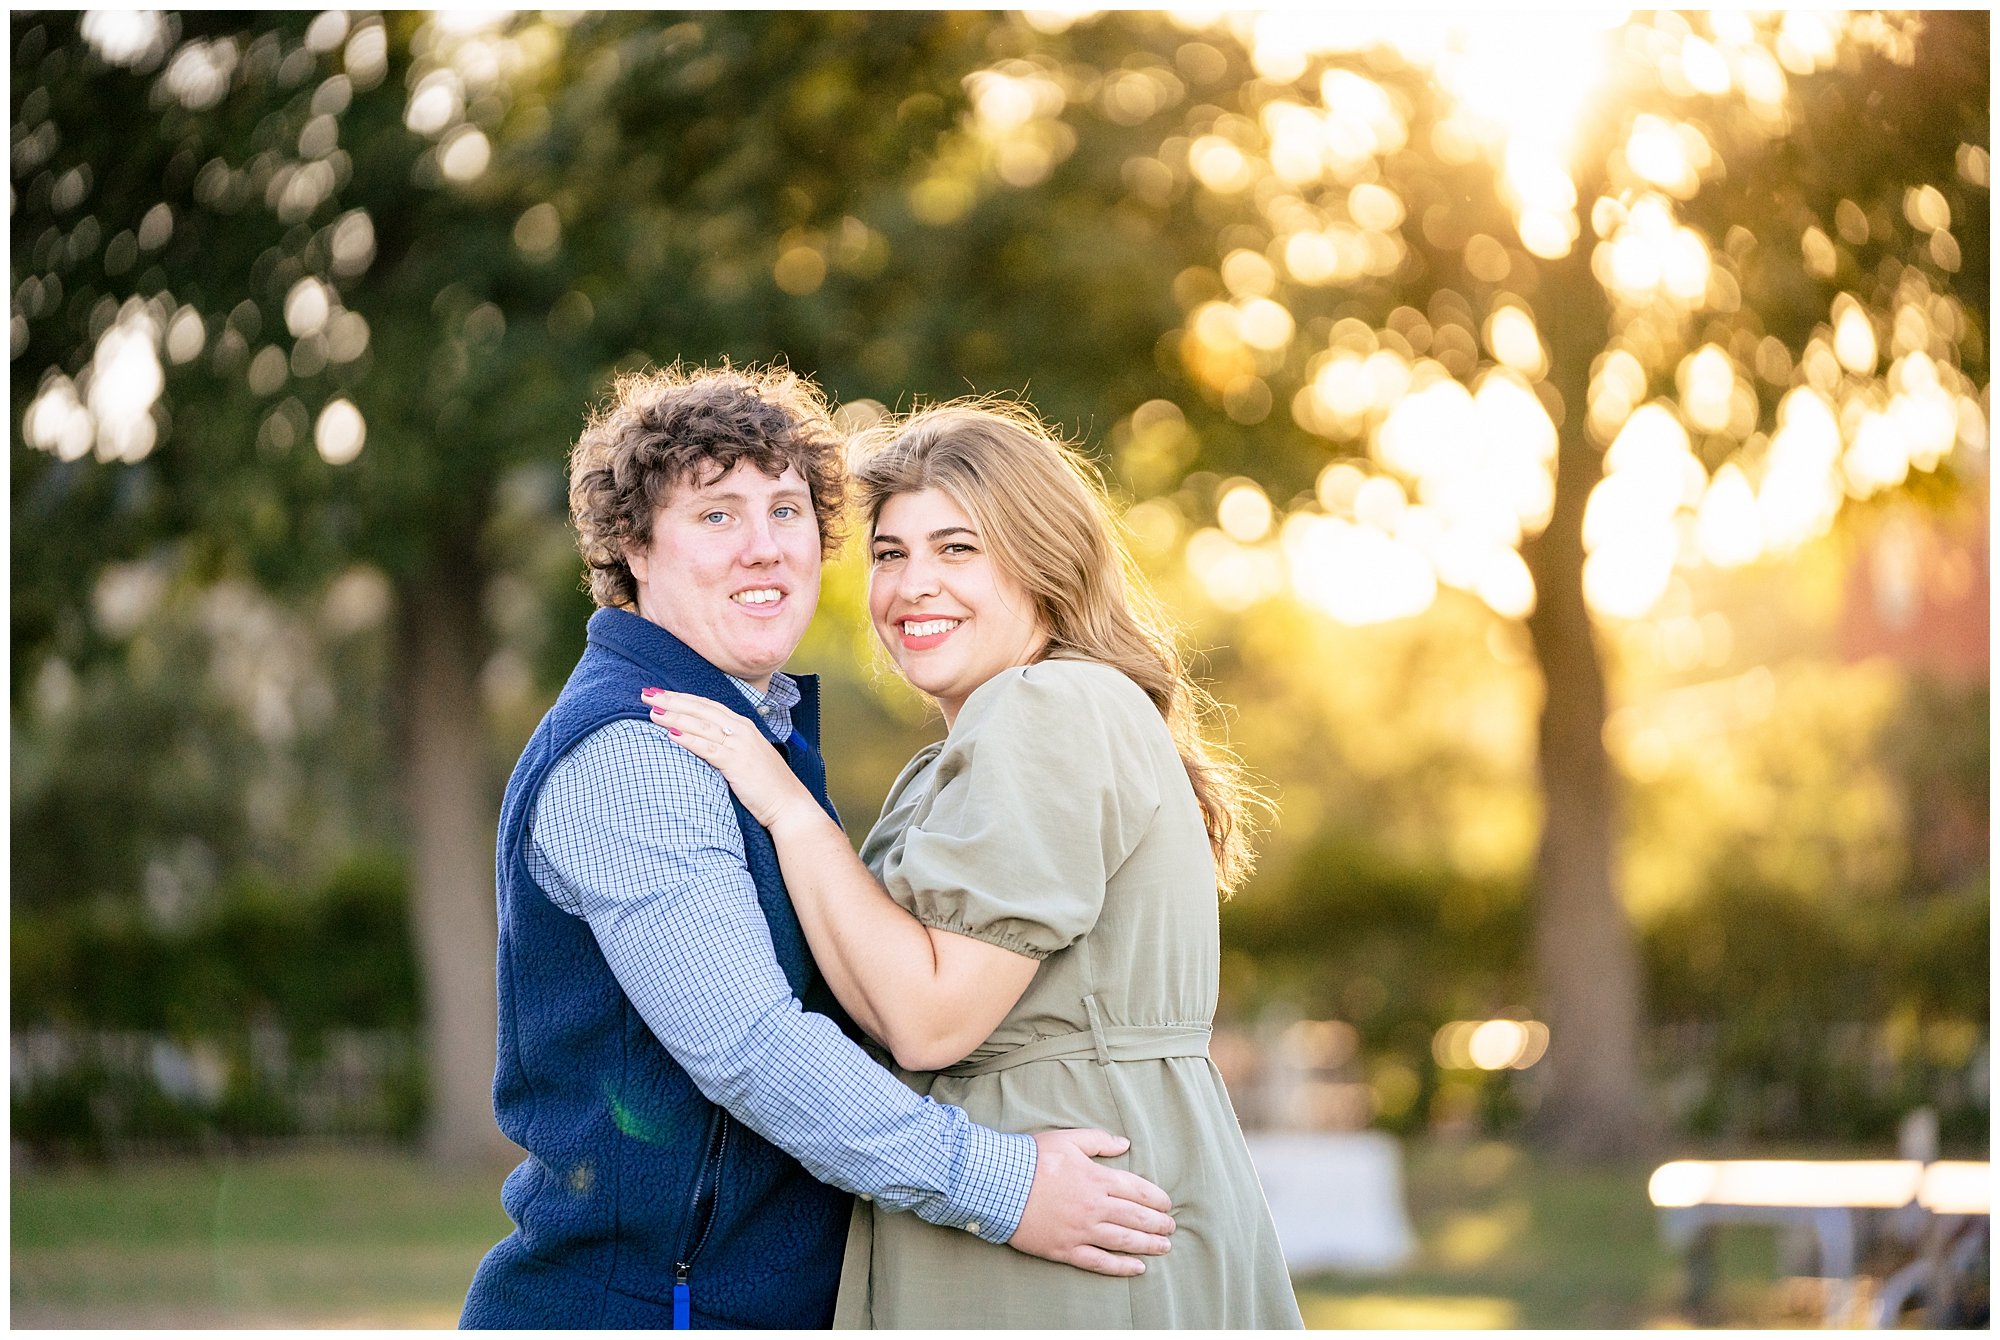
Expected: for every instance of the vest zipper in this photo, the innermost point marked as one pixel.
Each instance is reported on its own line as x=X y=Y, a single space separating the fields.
x=709 y=1189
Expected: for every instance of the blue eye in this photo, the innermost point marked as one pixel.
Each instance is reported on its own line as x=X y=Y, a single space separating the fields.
x=716 y=517
x=785 y=512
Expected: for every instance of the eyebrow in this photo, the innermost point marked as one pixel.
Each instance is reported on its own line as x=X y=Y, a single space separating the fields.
x=933 y=536
x=707 y=496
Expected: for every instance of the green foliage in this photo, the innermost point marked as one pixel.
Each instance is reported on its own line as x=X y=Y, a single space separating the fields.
x=214 y=734
x=1831 y=1018
x=334 y=957
x=1780 y=1009
x=1776 y=1017
x=1434 y=943
x=74 y=769
x=1396 y=949
x=94 y=1109
x=302 y=1003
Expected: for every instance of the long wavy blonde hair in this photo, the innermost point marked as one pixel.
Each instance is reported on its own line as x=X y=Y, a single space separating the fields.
x=1048 y=524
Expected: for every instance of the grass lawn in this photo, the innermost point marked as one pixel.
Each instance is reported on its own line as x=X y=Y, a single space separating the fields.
x=332 y=1238
x=372 y=1239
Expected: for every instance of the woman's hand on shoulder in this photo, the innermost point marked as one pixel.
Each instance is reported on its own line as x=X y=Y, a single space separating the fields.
x=736 y=747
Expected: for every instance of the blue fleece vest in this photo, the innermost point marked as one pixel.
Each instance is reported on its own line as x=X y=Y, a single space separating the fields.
x=632 y=1177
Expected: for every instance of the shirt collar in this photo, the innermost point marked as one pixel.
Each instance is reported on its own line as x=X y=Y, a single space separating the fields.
x=774 y=705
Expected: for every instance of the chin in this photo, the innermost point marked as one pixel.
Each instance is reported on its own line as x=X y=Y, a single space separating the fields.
x=940 y=689
x=755 y=667
x=928 y=690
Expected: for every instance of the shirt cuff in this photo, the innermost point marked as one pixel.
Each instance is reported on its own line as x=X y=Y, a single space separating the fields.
x=992 y=1191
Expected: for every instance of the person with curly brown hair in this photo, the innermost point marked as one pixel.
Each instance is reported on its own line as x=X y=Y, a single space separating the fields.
x=693 y=1104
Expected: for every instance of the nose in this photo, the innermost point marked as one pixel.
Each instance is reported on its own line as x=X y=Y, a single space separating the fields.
x=760 y=543
x=917 y=580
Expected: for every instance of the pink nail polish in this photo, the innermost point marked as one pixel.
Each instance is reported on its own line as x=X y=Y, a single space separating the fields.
x=672 y=731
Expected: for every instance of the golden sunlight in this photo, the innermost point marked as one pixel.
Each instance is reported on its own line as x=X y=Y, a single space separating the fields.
x=1460 y=455
x=1798 y=495
x=1727 y=526
x=1243 y=512
x=1355 y=573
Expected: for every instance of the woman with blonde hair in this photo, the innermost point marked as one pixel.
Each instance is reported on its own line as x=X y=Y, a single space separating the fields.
x=1031 y=927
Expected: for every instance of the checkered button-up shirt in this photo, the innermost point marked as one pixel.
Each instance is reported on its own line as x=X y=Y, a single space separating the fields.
x=637 y=836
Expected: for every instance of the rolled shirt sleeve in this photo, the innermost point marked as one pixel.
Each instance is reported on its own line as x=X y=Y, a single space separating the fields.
x=637 y=836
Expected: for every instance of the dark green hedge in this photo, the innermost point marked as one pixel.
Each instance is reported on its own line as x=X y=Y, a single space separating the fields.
x=1774 y=1017
x=265 y=980
x=338 y=956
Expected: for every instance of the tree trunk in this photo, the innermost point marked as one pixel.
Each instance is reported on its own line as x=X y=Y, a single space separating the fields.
x=452 y=806
x=1586 y=960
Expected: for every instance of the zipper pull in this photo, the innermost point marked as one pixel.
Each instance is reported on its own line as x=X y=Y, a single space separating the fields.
x=683 y=1302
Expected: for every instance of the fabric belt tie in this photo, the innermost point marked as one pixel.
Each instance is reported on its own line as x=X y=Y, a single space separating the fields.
x=1104 y=1044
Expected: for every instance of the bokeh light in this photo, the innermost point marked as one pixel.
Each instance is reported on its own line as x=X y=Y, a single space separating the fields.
x=1490 y=1044
x=125 y=382
x=1516 y=93
x=1244 y=513
x=134 y=38
x=340 y=431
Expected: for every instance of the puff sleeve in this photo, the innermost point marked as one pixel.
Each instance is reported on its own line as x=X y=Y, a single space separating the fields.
x=1044 y=786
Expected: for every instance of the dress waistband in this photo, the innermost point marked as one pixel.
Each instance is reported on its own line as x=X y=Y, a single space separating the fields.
x=1124 y=1042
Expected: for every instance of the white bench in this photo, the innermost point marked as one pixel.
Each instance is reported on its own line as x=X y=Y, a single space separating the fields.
x=1824 y=1198
x=1336 y=1197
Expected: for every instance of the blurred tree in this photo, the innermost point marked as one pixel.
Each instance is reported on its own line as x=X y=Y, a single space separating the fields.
x=1727 y=274
x=198 y=191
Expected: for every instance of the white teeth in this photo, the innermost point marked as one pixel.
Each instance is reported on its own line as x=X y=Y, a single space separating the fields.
x=929 y=626
x=763 y=597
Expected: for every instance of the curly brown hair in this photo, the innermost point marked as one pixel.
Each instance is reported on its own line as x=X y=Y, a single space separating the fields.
x=677 y=425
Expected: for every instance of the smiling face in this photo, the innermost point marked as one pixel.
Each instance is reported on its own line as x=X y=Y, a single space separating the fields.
x=733 y=569
x=949 y=616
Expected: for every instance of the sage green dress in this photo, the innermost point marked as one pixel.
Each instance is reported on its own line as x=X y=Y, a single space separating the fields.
x=1056 y=820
